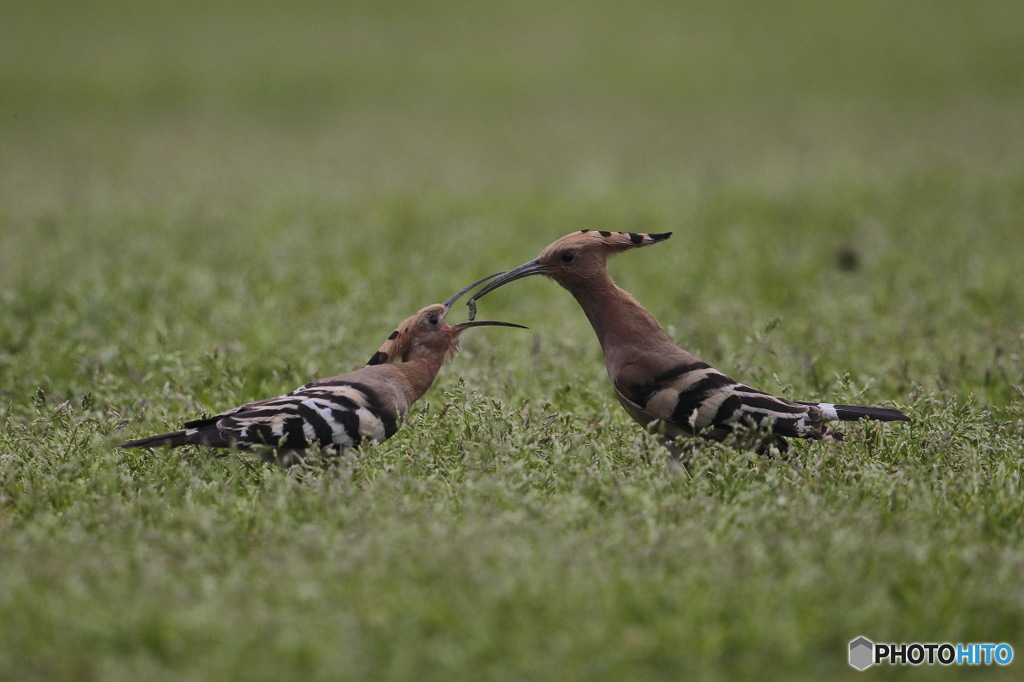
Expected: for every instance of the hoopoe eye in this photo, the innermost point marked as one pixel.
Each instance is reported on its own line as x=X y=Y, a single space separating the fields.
x=568 y=256
x=433 y=320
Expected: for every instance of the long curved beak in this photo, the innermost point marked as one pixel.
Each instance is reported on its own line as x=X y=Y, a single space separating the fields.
x=485 y=323
x=482 y=323
x=462 y=292
x=534 y=267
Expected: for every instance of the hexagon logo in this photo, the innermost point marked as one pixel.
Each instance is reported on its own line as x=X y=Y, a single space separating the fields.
x=862 y=653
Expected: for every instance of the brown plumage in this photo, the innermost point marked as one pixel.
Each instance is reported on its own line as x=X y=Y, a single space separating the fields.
x=345 y=410
x=657 y=382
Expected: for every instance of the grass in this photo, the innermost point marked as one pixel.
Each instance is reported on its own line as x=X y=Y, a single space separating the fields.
x=202 y=204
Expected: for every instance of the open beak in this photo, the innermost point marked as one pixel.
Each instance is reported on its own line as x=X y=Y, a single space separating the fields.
x=462 y=292
x=482 y=323
x=485 y=323
x=534 y=267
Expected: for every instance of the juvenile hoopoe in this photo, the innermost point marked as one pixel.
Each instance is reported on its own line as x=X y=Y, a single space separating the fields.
x=654 y=379
x=364 y=405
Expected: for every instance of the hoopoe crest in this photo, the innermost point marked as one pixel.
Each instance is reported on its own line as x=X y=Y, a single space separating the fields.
x=346 y=410
x=658 y=383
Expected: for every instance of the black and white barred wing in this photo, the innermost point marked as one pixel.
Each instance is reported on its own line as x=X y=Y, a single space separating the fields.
x=693 y=398
x=327 y=413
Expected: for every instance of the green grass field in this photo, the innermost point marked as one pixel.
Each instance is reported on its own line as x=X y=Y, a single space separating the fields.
x=207 y=203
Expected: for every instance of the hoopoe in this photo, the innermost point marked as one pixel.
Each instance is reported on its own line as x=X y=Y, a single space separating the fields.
x=658 y=383
x=346 y=410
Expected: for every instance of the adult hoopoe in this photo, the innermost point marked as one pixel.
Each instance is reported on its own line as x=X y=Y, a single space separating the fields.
x=655 y=380
x=345 y=410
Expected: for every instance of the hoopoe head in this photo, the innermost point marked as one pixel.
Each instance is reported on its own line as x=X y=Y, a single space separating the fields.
x=573 y=259
x=427 y=334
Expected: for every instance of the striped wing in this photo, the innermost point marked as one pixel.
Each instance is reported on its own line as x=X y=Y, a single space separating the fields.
x=327 y=413
x=693 y=398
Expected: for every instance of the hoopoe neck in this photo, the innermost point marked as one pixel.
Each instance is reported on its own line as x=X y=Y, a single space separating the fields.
x=418 y=374
x=618 y=319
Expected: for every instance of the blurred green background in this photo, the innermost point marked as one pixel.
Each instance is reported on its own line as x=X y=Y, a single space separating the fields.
x=365 y=139
x=563 y=96
x=203 y=203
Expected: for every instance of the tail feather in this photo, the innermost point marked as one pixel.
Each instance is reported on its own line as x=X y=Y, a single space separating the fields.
x=855 y=412
x=164 y=440
x=207 y=434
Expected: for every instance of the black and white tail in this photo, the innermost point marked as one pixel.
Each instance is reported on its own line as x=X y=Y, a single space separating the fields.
x=850 y=413
x=692 y=398
x=164 y=440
